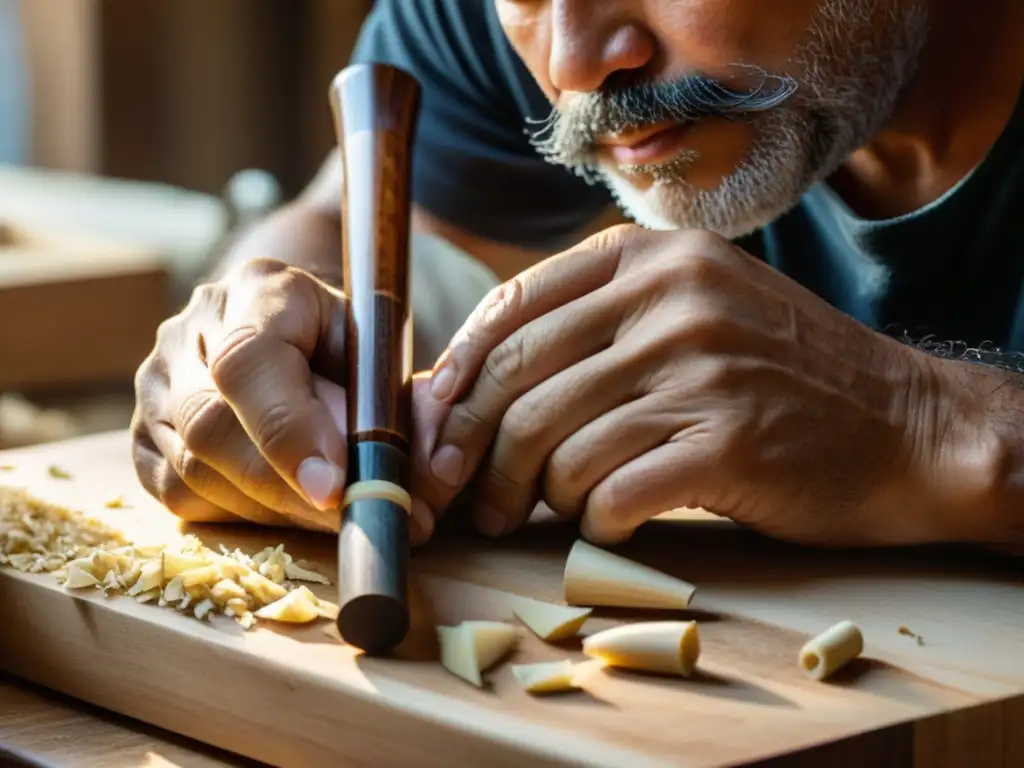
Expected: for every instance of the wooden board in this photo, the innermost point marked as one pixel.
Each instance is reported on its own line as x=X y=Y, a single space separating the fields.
x=54 y=730
x=75 y=310
x=298 y=697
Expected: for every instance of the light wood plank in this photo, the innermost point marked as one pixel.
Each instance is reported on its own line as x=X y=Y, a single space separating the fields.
x=60 y=731
x=297 y=696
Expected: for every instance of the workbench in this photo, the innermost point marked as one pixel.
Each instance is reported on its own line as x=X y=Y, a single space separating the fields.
x=44 y=728
x=297 y=696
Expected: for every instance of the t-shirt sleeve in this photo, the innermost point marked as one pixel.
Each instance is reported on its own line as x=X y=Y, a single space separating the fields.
x=474 y=166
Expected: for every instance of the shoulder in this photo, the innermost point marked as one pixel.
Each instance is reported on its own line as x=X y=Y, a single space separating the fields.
x=457 y=48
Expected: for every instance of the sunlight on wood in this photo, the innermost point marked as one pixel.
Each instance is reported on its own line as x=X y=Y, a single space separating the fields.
x=304 y=649
x=153 y=760
x=759 y=602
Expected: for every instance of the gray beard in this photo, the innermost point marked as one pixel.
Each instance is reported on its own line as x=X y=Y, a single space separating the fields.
x=846 y=95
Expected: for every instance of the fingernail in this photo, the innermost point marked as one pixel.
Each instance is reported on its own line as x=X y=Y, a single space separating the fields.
x=489 y=521
x=442 y=382
x=447 y=463
x=320 y=481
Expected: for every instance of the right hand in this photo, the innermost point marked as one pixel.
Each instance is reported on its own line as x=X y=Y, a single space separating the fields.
x=235 y=418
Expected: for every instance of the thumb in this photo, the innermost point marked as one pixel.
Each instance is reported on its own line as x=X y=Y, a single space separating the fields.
x=276 y=318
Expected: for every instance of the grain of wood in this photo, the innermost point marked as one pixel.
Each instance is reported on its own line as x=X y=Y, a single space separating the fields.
x=56 y=730
x=757 y=603
x=93 y=306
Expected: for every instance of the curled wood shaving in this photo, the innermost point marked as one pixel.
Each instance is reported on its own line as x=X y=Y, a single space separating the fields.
x=84 y=553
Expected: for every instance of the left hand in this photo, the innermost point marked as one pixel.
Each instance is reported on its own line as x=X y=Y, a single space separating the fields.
x=647 y=371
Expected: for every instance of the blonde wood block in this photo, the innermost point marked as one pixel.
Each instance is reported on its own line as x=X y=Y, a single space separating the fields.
x=75 y=310
x=295 y=696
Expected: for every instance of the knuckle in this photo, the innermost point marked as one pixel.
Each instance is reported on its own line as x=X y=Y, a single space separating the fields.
x=139 y=431
x=522 y=425
x=173 y=492
x=703 y=330
x=566 y=470
x=232 y=365
x=146 y=375
x=256 y=473
x=169 y=331
x=143 y=374
x=273 y=426
x=700 y=339
x=696 y=268
x=262 y=267
x=204 y=420
x=716 y=374
x=611 y=499
x=192 y=472
x=700 y=332
x=210 y=297
x=205 y=293
x=174 y=487
x=488 y=321
x=501 y=301
x=468 y=415
x=506 y=362
x=626 y=239
x=702 y=241
x=504 y=491
x=617 y=235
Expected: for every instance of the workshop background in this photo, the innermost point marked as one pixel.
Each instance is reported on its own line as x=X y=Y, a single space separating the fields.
x=134 y=135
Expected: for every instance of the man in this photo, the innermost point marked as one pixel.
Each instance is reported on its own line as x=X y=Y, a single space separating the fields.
x=820 y=182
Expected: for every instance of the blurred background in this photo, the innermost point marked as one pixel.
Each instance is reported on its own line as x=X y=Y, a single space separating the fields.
x=134 y=134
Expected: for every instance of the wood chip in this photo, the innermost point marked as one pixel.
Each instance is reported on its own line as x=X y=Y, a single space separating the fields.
x=81 y=552
x=58 y=473
x=596 y=577
x=906 y=631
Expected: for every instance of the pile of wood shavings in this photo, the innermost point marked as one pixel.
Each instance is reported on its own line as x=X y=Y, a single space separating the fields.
x=84 y=553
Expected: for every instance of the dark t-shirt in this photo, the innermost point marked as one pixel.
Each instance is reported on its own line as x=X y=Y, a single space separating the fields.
x=953 y=269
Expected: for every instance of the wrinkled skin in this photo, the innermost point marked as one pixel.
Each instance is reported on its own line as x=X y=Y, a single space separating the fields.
x=642 y=372
x=233 y=408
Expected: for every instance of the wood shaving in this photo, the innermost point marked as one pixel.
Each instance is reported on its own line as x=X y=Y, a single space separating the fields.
x=7 y=467
x=906 y=631
x=115 y=503
x=84 y=553
x=57 y=473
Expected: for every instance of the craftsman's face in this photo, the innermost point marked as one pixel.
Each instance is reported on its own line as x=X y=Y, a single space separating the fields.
x=713 y=114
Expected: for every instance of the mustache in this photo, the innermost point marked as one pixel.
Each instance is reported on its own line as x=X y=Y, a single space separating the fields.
x=568 y=136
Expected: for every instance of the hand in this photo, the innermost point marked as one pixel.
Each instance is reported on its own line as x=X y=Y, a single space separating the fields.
x=642 y=372
x=236 y=417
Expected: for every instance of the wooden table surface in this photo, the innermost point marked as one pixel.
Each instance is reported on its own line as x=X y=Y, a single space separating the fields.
x=296 y=696
x=39 y=727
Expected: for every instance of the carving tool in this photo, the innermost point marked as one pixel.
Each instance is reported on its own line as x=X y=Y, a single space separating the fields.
x=375 y=109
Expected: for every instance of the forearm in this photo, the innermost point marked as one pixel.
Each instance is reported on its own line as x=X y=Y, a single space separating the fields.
x=977 y=426
x=299 y=234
